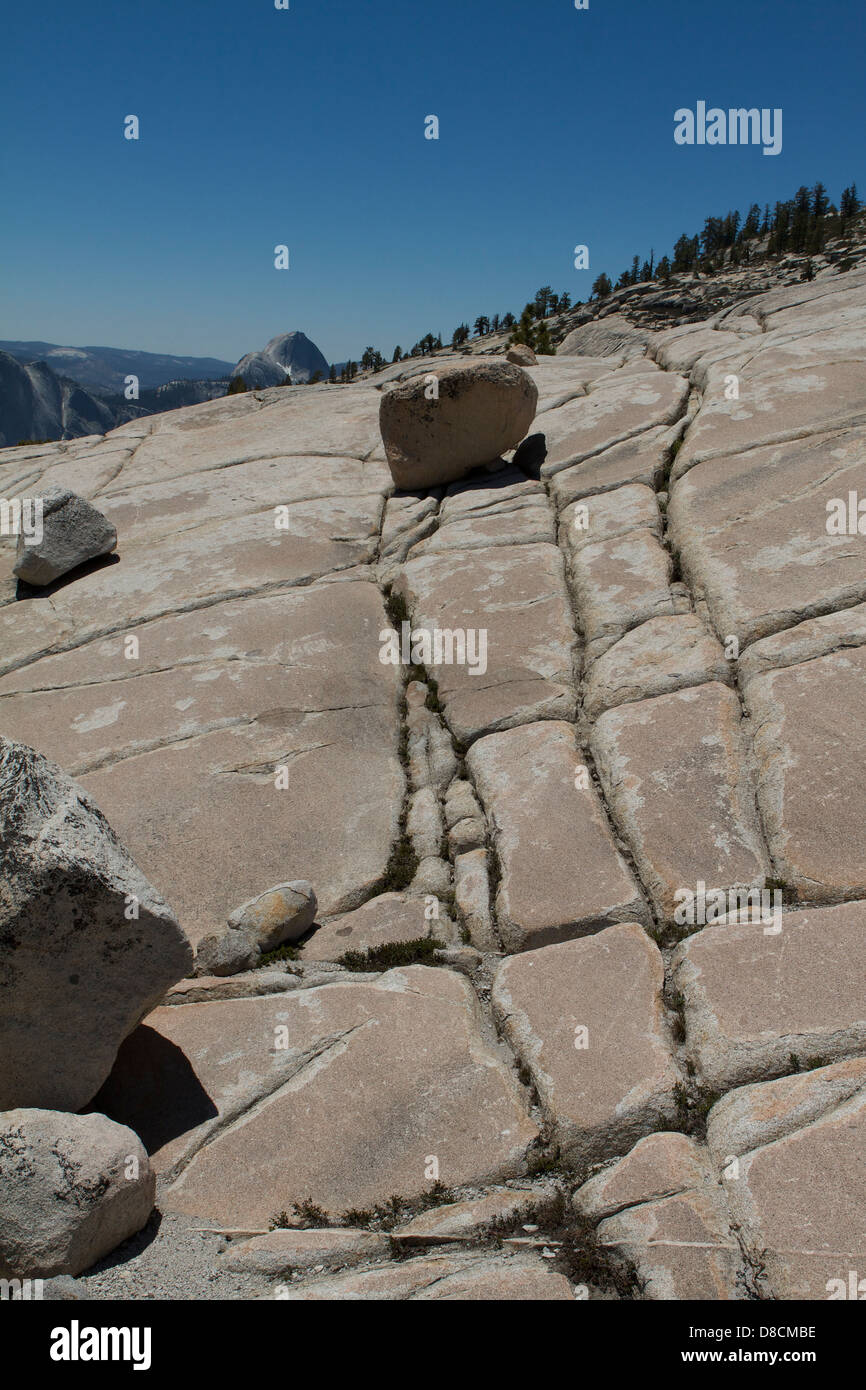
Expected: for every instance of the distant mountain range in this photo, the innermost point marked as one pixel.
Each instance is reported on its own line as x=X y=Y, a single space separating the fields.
x=52 y=392
x=104 y=369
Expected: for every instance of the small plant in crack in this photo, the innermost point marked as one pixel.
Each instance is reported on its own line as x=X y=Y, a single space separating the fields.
x=398 y=1209
x=403 y=863
x=286 y=952
x=306 y=1214
x=548 y=1211
x=693 y=1107
x=421 y=951
x=585 y=1261
x=675 y=1001
x=752 y=1278
x=432 y=701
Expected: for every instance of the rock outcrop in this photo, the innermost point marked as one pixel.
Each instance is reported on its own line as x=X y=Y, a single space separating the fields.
x=289 y=357
x=88 y=945
x=591 y=717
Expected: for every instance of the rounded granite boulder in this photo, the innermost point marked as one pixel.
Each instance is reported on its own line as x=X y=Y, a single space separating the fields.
x=439 y=426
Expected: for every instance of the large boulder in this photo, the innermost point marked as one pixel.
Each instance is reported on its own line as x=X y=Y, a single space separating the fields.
x=73 y=531
x=438 y=426
x=88 y=946
x=72 y=1188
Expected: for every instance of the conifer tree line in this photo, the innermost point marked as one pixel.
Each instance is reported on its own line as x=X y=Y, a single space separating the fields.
x=801 y=225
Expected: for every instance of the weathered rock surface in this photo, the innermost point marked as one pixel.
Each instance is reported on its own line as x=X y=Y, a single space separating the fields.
x=683 y=1247
x=199 y=724
x=464 y=1220
x=73 y=531
x=654 y=577
x=383 y=921
x=88 y=945
x=239 y=1102
x=545 y=812
x=658 y=760
x=753 y=995
x=661 y=655
x=799 y=1197
x=72 y=1188
x=473 y=1278
x=658 y=1166
x=518 y=599
x=810 y=779
x=281 y=1252
x=477 y=413
x=586 y=1018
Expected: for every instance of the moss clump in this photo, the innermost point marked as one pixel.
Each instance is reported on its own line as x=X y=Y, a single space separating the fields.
x=402 y=865
x=280 y=953
x=421 y=951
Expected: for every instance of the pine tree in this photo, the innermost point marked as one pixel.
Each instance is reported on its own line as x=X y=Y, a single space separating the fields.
x=849 y=205
x=601 y=286
x=543 y=341
x=542 y=302
x=525 y=330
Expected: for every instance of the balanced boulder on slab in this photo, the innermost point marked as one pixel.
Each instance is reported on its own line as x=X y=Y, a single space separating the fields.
x=437 y=427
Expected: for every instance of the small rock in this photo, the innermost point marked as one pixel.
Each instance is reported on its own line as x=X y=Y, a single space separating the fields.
x=229 y=954
x=281 y=914
x=521 y=355
x=72 y=1188
x=73 y=532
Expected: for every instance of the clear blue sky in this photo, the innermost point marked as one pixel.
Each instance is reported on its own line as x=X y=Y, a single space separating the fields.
x=306 y=127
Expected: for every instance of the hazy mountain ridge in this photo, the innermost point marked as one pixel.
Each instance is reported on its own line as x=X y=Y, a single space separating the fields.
x=104 y=369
